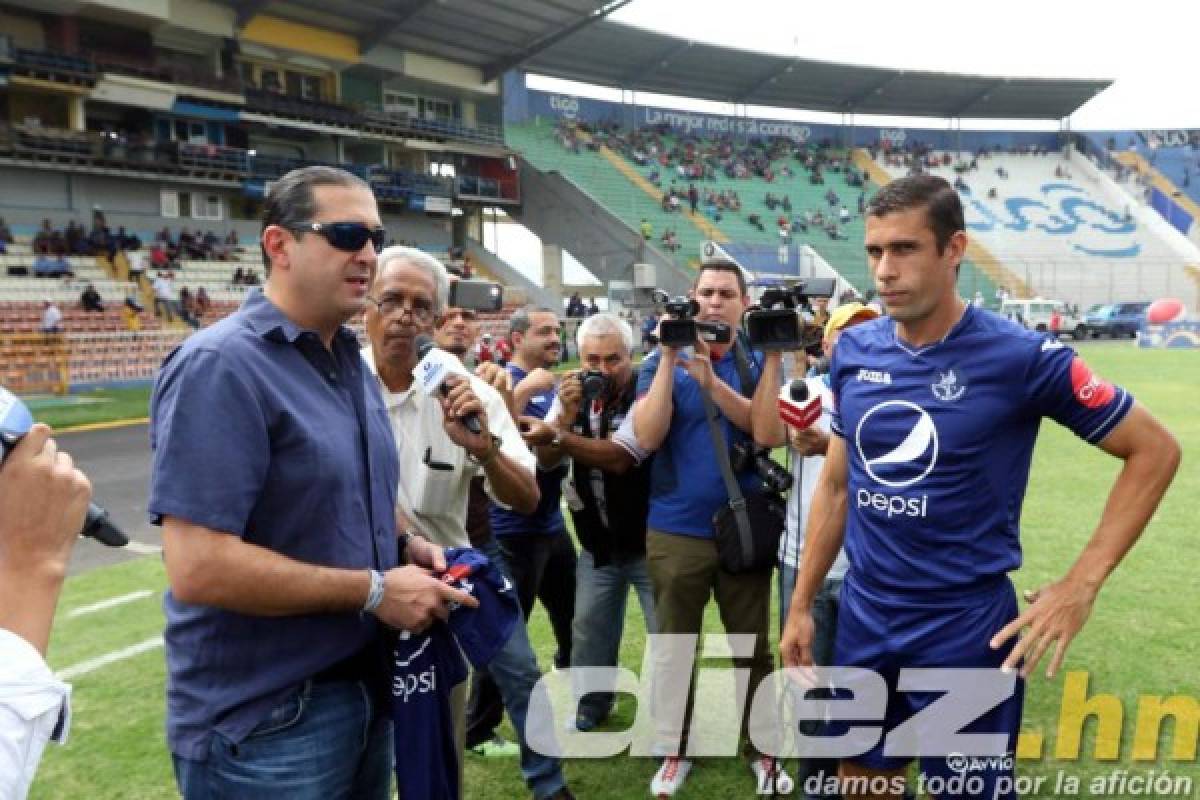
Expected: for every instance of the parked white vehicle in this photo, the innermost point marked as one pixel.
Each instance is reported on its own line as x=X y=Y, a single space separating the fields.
x=1038 y=314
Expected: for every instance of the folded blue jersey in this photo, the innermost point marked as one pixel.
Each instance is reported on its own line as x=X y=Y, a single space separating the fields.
x=426 y=666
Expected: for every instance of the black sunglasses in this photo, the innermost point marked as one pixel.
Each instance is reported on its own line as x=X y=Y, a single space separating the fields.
x=347 y=236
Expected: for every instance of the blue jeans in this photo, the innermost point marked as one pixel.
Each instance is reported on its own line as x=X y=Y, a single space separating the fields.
x=515 y=672
x=600 y=597
x=328 y=741
x=814 y=771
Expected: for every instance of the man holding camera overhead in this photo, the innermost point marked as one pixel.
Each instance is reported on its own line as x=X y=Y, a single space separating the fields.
x=609 y=496
x=687 y=490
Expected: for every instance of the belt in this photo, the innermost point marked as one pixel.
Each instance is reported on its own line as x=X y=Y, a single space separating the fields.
x=361 y=666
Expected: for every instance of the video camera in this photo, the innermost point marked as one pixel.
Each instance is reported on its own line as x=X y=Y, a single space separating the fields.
x=682 y=329
x=745 y=455
x=775 y=323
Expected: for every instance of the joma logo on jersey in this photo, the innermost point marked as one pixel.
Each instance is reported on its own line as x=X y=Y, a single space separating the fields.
x=874 y=376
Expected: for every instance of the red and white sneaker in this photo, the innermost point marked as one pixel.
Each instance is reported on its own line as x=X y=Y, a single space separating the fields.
x=770 y=777
x=670 y=776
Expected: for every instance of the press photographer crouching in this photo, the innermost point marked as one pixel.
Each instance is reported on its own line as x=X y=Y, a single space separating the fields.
x=692 y=486
x=608 y=495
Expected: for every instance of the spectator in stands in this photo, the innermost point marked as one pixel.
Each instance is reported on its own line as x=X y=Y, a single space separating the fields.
x=160 y=255
x=646 y=228
x=693 y=197
x=6 y=236
x=52 y=317
x=43 y=238
x=164 y=296
x=251 y=277
x=977 y=300
x=187 y=308
x=52 y=266
x=127 y=241
x=844 y=215
x=131 y=318
x=239 y=277
x=91 y=300
x=203 y=302
x=592 y=307
x=139 y=261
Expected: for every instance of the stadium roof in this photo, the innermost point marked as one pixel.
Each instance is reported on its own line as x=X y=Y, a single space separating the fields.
x=612 y=54
x=493 y=35
x=571 y=39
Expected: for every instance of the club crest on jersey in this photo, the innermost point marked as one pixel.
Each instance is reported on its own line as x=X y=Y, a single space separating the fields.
x=947 y=388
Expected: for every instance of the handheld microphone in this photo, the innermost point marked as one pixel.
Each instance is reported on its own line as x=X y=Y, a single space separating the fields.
x=15 y=422
x=431 y=372
x=799 y=405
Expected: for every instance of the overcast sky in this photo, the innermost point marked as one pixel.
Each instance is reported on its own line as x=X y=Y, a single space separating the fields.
x=1151 y=56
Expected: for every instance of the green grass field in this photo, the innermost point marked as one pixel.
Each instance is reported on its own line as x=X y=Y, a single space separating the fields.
x=1137 y=642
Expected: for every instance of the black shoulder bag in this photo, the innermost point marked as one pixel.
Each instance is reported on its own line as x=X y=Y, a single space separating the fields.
x=747 y=529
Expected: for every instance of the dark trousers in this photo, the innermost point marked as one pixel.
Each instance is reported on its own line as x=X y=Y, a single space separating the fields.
x=542 y=568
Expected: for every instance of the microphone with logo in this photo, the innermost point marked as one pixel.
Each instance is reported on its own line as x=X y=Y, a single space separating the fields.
x=15 y=422
x=799 y=405
x=431 y=372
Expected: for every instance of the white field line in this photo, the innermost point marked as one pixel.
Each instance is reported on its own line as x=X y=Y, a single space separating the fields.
x=142 y=549
x=91 y=665
x=112 y=602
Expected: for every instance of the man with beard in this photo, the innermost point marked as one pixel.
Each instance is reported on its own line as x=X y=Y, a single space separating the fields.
x=408 y=298
x=687 y=489
x=536 y=547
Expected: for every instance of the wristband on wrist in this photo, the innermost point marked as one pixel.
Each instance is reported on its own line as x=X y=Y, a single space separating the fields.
x=375 y=594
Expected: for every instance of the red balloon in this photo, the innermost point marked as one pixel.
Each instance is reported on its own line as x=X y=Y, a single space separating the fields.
x=1164 y=310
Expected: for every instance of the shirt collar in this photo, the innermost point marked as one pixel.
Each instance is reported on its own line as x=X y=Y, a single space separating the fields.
x=391 y=399
x=268 y=321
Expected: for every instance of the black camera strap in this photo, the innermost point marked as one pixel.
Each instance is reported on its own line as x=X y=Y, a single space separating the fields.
x=737 y=500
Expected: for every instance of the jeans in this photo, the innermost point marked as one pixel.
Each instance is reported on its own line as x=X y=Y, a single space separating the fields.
x=514 y=672
x=600 y=596
x=543 y=568
x=813 y=772
x=327 y=741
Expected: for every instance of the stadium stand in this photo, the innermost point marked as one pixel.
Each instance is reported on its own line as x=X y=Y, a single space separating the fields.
x=1068 y=232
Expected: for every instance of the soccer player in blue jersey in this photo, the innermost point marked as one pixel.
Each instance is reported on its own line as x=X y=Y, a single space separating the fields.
x=937 y=411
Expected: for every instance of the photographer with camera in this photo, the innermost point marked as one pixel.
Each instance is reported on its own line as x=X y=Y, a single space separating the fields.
x=678 y=394
x=807 y=444
x=609 y=496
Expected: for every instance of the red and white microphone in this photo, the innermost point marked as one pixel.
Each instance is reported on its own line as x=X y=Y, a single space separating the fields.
x=799 y=404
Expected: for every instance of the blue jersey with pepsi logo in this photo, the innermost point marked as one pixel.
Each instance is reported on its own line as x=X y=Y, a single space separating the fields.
x=939 y=441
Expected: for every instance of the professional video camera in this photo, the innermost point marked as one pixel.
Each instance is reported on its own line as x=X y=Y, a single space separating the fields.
x=682 y=329
x=745 y=455
x=775 y=323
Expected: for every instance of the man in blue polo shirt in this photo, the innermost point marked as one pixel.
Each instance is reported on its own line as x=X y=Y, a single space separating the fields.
x=274 y=478
x=537 y=550
x=686 y=490
x=937 y=409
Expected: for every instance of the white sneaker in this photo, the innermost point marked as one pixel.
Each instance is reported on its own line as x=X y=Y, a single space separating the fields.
x=767 y=770
x=670 y=776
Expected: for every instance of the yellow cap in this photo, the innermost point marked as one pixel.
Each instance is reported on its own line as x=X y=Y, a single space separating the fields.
x=846 y=313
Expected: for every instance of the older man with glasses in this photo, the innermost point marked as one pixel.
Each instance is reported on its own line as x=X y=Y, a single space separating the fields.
x=407 y=299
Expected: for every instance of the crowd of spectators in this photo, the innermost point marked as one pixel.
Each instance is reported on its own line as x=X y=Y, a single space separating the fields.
x=680 y=161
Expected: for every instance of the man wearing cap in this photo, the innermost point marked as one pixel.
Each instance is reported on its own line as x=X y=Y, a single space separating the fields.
x=807 y=455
